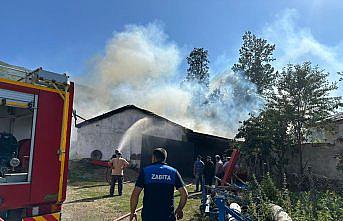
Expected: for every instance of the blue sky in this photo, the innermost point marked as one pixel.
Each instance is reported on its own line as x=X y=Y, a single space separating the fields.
x=64 y=36
x=128 y=48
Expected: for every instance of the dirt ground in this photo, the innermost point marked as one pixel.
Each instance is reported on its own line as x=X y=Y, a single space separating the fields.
x=88 y=200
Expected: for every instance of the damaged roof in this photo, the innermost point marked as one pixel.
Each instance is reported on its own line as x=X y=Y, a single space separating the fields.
x=122 y=109
x=133 y=107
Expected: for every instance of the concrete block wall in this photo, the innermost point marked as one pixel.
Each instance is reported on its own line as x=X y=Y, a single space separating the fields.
x=321 y=157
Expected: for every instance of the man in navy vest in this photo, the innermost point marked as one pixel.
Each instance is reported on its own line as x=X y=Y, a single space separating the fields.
x=158 y=181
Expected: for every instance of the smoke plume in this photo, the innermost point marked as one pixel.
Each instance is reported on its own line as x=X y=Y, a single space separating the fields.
x=141 y=66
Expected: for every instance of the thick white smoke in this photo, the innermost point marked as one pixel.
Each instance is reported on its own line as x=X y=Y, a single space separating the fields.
x=136 y=68
x=138 y=56
x=140 y=66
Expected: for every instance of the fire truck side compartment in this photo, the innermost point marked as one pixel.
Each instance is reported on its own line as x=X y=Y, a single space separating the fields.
x=44 y=185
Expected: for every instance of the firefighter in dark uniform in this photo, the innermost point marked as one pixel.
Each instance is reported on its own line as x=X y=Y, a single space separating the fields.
x=158 y=181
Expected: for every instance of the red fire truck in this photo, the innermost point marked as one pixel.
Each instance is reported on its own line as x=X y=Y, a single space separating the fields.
x=35 y=126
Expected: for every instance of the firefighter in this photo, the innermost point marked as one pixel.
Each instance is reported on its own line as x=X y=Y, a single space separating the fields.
x=158 y=181
x=118 y=164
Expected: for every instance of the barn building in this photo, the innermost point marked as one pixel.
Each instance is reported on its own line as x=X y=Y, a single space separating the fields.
x=136 y=131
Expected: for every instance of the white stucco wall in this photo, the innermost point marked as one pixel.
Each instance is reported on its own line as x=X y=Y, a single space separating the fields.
x=127 y=128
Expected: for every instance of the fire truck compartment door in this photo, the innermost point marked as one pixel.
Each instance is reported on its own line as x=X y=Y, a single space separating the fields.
x=15 y=99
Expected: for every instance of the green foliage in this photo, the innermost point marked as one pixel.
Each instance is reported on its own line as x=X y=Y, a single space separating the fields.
x=266 y=140
x=259 y=199
x=269 y=188
x=256 y=54
x=304 y=98
x=198 y=67
x=304 y=95
x=330 y=206
x=300 y=102
x=298 y=213
x=285 y=200
x=303 y=206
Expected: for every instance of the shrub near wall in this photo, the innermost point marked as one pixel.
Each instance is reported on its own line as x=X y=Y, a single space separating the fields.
x=300 y=206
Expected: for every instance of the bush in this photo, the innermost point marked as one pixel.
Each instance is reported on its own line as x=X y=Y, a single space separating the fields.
x=302 y=206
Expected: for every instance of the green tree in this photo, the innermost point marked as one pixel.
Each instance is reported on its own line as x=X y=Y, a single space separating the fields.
x=304 y=97
x=301 y=101
x=255 y=57
x=265 y=142
x=198 y=70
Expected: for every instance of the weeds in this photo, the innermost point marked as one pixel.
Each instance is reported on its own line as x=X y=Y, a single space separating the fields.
x=302 y=206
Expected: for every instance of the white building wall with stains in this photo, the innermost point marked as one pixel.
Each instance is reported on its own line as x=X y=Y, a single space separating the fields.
x=126 y=127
